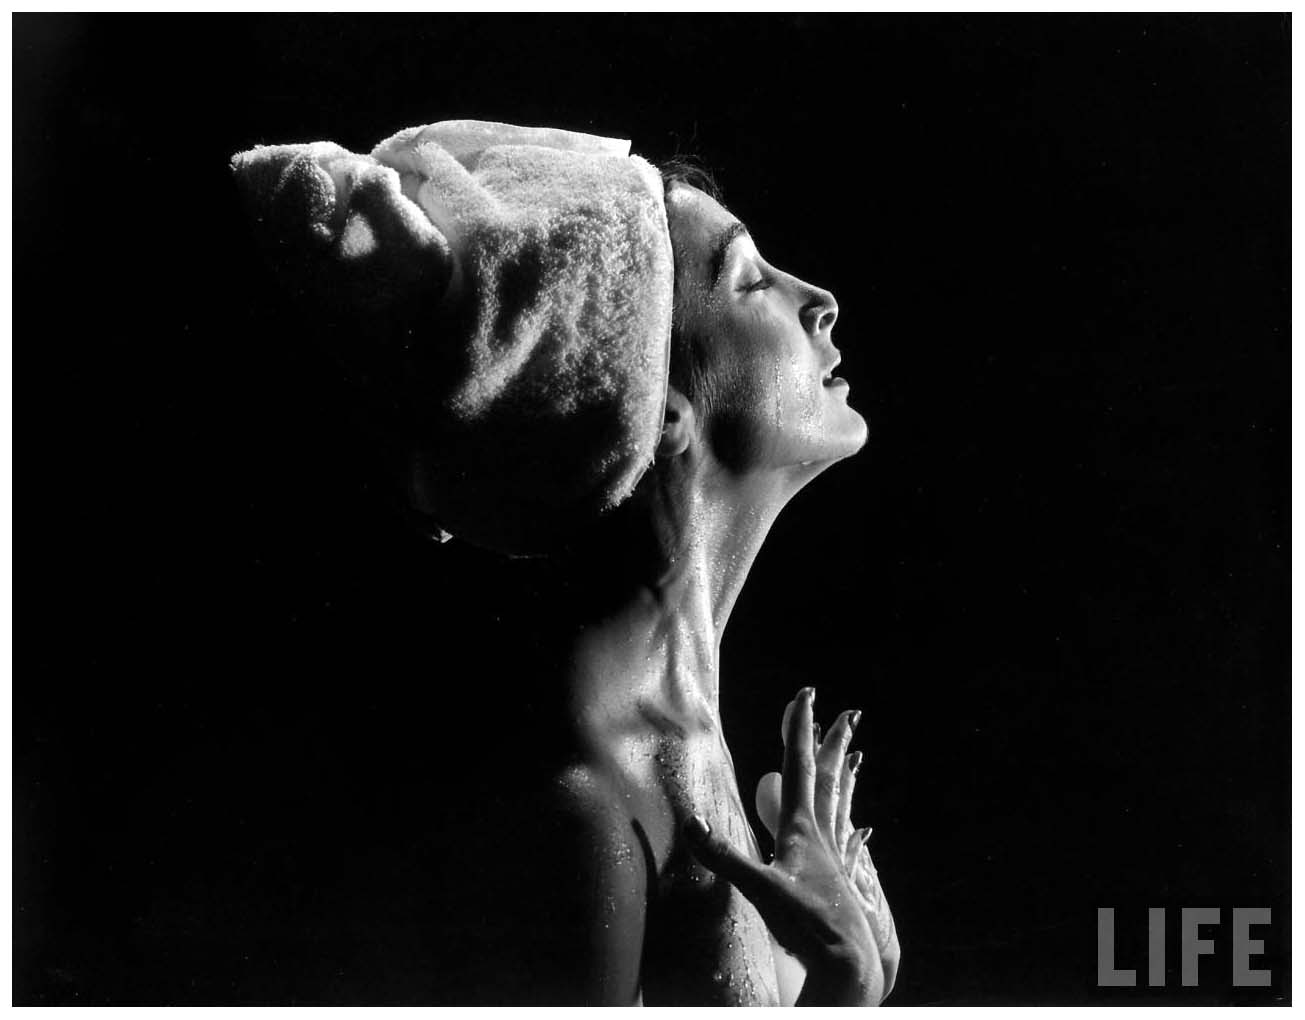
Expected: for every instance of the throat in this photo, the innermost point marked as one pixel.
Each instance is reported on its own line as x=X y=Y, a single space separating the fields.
x=659 y=650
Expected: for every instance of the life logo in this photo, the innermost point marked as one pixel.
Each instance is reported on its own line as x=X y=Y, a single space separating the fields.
x=1193 y=924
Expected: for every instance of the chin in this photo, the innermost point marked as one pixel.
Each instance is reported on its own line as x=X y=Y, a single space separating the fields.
x=846 y=430
x=862 y=433
x=848 y=441
x=852 y=435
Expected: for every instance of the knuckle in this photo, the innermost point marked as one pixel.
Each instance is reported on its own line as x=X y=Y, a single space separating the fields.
x=789 y=844
x=802 y=829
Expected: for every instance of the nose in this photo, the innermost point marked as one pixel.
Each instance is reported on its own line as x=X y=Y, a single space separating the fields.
x=820 y=311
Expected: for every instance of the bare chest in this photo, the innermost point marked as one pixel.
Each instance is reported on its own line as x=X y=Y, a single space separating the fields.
x=704 y=943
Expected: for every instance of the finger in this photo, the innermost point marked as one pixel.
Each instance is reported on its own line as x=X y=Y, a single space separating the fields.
x=889 y=950
x=755 y=881
x=768 y=798
x=797 y=924
x=853 y=848
x=798 y=787
x=891 y=958
x=789 y=709
x=866 y=880
x=829 y=768
x=884 y=927
x=847 y=784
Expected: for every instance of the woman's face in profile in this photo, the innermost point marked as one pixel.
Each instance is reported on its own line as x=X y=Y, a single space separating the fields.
x=763 y=345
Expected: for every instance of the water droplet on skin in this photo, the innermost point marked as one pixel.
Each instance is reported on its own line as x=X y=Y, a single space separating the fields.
x=779 y=397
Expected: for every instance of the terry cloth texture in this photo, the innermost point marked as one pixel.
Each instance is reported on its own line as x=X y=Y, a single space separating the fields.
x=537 y=376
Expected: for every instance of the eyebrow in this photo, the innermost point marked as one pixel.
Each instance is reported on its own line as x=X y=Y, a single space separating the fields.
x=720 y=246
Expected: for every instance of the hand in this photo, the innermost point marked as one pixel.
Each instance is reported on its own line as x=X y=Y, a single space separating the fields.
x=835 y=782
x=820 y=896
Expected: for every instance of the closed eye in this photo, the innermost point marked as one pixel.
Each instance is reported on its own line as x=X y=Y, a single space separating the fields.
x=762 y=283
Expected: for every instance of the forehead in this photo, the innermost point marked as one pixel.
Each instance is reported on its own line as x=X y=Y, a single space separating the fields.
x=695 y=219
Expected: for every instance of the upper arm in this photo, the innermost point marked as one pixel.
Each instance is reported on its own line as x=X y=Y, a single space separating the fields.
x=595 y=894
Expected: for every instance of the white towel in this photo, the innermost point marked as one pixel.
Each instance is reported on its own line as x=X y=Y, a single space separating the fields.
x=551 y=251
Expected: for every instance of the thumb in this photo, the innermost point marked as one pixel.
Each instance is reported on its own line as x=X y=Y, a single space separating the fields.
x=768 y=799
x=753 y=880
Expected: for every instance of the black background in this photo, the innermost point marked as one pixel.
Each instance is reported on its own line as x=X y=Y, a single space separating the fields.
x=252 y=711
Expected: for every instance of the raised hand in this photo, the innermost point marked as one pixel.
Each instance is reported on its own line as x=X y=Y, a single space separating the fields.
x=835 y=782
x=820 y=895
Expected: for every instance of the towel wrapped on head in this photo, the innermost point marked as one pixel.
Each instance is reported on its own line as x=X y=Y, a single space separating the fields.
x=531 y=270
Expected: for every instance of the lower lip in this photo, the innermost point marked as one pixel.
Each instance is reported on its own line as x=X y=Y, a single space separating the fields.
x=836 y=383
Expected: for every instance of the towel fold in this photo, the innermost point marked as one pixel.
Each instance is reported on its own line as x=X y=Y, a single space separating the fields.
x=537 y=388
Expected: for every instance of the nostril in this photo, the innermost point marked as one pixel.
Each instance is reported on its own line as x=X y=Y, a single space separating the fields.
x=821 y=311
x=821 y=317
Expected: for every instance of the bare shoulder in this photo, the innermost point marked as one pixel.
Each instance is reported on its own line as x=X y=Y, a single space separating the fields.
x=600 y=809
x=589 y=890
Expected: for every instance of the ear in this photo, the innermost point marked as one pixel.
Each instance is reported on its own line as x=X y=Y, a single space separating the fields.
x=677 y=426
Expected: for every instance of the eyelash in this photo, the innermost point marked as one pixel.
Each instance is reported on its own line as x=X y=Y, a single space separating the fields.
x=760 y=284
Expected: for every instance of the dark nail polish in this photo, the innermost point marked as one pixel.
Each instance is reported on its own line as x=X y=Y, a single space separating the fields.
x=856 y=718
x=816 y=732
x=854 y=762
x=696 y=828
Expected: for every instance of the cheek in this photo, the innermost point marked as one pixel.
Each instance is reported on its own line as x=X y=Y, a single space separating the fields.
x=758 y=407
x=764 y=394
x=807 y=395
x=743 y=413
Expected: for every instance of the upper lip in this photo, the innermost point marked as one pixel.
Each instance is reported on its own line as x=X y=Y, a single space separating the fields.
x=829 y=371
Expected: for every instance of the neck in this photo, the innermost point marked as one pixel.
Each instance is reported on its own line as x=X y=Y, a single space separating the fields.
x=661 y=577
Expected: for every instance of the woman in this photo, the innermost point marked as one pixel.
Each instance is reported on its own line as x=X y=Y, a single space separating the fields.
x=645 y=881
x=753 y=414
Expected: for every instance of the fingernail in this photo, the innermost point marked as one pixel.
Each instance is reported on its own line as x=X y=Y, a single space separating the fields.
x=856 y=718
x=854 y=762
x=810 y=694
x=816 y=732
x=866 y=838
x=697 y=828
